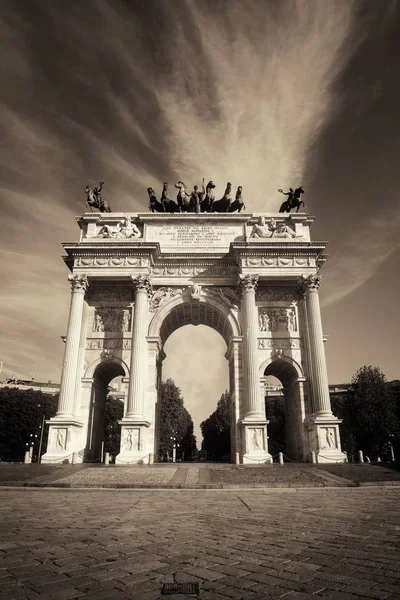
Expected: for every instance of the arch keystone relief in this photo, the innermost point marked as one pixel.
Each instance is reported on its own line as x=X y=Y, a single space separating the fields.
x=232 y=272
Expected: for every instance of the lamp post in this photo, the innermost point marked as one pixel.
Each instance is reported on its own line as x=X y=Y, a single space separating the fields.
x=174 y=447
x=30 y=445
x=391 y=447
x=41 y=437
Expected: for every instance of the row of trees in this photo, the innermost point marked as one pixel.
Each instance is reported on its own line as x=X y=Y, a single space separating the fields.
x=369 y=410
x=21 y=421
x=176 y=425
x=22 y=412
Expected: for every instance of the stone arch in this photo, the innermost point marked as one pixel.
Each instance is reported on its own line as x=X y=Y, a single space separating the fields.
x=182 y=311
x=286 y=366
x=291 y=375
x=101 y=372
x=108 y=364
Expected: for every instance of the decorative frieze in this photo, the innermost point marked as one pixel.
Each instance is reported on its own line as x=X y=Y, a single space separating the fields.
x=111 y=319
x=192 y=270
x=277 y=319
x=111 y=261
x=277 y=343
x=108 y=344
x=277 y=261
x=277 y=293
x=109 y=294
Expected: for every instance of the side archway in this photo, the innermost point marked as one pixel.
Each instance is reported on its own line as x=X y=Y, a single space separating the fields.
x=102 y=372
x=291 y=375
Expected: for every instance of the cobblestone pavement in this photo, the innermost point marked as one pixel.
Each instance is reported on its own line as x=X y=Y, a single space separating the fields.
x=253 y=544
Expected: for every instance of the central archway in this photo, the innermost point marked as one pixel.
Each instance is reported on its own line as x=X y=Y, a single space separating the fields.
x=210 y=313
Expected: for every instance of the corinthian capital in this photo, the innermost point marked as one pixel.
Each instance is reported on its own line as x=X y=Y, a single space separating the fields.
x=248 y=283
x=142 y=283
x=79 y=283
x=309 y=284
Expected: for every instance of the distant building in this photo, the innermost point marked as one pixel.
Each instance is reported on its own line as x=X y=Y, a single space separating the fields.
x=38 y=386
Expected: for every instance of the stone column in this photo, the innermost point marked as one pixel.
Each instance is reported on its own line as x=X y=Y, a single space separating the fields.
x=321 y=401
x=248 y=285
x=79 y=285
x=138 y=366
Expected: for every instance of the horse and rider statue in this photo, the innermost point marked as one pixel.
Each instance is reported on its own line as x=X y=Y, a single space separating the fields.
x=196 y=201
x=94 y=199
x=293 y=200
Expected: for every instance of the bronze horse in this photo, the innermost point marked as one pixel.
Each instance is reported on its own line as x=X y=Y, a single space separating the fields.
x=154 y=204
x=170 y=205
x=293 y=200
x=224 y=203
x=165 y=204
x=94 y=199
x=238 y=203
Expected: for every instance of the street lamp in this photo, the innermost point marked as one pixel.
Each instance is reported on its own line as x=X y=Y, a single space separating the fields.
x=174 y=447
x=30 y=445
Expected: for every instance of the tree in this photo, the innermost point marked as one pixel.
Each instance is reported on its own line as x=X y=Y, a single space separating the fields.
x=175 y=421
x=21 y=414
x=216 y=430
x=343 y=407
x=373 y=413
x=112 y=432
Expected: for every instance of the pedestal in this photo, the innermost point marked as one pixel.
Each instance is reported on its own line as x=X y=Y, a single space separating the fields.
x=255 y=442
x=324 y=439
x=135 y=449
x=64 y=440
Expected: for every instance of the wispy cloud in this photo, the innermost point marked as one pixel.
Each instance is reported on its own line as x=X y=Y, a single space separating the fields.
x=357 y=258
x=138 y=93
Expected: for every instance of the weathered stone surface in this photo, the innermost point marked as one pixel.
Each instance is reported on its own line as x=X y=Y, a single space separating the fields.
x=339 y=545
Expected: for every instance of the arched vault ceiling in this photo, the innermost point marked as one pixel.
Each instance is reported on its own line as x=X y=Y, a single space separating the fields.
x=282 y=370
x=107 y=370
x=196 y=313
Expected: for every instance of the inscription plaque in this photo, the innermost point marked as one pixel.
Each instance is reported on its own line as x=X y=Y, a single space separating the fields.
x=208 y=236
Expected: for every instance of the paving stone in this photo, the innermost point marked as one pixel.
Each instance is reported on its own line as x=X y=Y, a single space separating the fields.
x=317 y=542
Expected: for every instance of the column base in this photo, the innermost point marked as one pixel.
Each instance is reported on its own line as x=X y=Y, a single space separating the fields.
x=134 y=447
x=254 y=441
x=324 y=439
x=64 y=442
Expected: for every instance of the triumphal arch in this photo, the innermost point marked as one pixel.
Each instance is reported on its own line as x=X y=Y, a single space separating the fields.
x=136 y=278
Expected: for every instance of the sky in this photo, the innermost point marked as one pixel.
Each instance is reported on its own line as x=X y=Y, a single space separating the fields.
x=267 y=94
